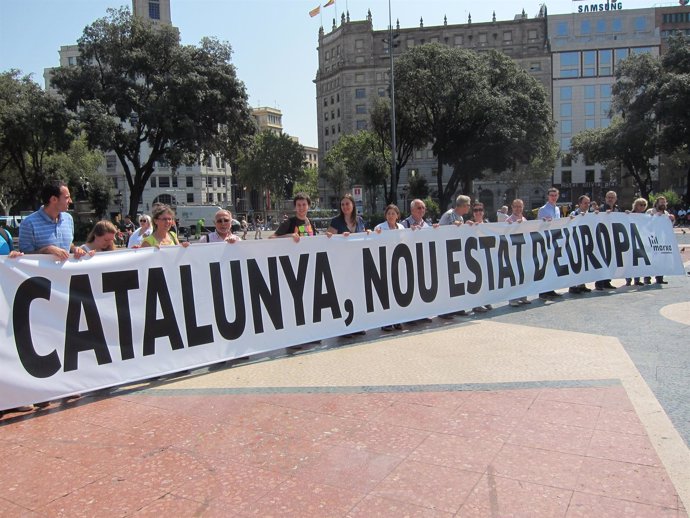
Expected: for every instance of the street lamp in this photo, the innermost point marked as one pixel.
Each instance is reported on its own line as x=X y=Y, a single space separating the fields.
x=118 y=202
x=391 y=46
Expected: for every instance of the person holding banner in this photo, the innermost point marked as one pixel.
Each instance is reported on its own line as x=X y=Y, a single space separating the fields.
x=608 y=206
x=583 y=204
x=548 y=212
x=162 y=235
x=101 y=238
x=223 y=231
x=517 y=216
x=455 y=216
x=392 y=214
x=415 y=220
x=348 y=221
x=50 y=230
x=299 y=224
x=6 y=244
x=639 y=206
x=477 y=218
x=659 y=209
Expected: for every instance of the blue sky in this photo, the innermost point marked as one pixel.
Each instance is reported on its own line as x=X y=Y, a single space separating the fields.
x=274 y=41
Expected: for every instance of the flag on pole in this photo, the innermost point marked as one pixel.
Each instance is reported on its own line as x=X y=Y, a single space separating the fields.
x=329 y=3
x=315 y=11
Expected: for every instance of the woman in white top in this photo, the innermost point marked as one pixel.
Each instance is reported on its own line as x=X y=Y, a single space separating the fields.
x=392 y=215
x=144 y=230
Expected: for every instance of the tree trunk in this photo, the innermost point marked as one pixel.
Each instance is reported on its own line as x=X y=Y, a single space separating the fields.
x=687 y=186
x=442 y=198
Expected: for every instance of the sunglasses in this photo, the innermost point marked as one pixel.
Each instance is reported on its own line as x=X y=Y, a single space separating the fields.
x=143 y=221
x=222 y=221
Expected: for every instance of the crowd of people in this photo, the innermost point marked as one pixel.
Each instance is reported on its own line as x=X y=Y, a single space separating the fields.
x=50 y=230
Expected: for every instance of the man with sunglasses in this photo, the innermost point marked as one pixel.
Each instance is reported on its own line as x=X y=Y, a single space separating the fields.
x=548 y=212
x=223 y=232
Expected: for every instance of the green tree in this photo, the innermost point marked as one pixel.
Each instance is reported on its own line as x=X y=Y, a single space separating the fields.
x=674 y=99
x=631 y=140
x=336 y=176
x=79 y=168
x=480 y=111
x=141 y=94
x=364 y=162
x=309 y=183
x=409 y=135
x=33 y=126
x=273 y=162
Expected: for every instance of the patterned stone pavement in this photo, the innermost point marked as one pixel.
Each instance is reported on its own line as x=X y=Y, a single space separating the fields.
x=512 y=413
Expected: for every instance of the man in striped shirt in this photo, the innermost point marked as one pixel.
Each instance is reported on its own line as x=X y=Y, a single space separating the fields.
x=50 y=230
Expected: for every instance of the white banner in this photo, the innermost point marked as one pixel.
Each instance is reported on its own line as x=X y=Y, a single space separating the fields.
x=129 y=315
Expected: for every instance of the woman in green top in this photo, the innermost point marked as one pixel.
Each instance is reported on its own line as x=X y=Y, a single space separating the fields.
x=163 y=219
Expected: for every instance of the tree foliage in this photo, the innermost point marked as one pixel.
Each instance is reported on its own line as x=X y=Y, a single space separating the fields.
x=273 y=162
x=141 y=94
x=479 y=111
x=33 y=126
x=650 y=107
x=309 y=183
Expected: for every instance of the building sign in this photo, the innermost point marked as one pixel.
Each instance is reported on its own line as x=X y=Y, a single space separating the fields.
x=601 y=185
x=585 y=7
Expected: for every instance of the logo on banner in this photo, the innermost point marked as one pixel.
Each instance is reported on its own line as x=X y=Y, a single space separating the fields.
x=659 y=247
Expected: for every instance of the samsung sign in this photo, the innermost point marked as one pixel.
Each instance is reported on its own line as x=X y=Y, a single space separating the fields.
x=595 y=8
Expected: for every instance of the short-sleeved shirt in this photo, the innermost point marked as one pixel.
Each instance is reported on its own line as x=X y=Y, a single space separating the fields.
x=450 y=217
x=294 y=225
x=5 y=246
x=153 y=241
x=39 y=230
x=340 y=225
x=549 y=211
x=409 y=222
x=386 y=226
x=214 y=237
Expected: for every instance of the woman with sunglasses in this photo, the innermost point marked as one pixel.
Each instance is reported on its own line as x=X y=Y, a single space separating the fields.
x=162 y=235
x=144 y=230
x=477 y=218
x=223 y=231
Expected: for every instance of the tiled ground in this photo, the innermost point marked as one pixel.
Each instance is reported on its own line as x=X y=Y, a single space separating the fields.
x=551 y=452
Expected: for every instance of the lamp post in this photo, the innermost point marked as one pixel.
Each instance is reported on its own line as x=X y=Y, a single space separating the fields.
x=118 y=202
x=390 y=52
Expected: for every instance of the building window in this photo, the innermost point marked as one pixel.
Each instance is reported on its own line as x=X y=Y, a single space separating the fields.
x=532 y=34
x=72 y=60
x=566 y=110
x=589 y=63
x=601 y=26
x=325 y=131
x=620 y=55
x=209 y=181
x=590 y=92
x=325 y=101
x=482 y=38
x=209 y=197
x=535 y=66
x=507 y=36
x=565 y=144
x=190 y=181
x=114 y=182
x=360 y=93
x=458 y=41
x=589 y=175
x=605 y=108
x=190 y=197
x=566 y=127
x=605 y=122
x=328 y=55
x=570 y=64
x=174 y=180
x=361 y=125
x=641 y=50
x=218 y=182
x=359 y=78
x=359 y=44
x=605 y=62
x=566 y=93
x=617 y=25
x=562 y=29
x=153 y=181
x=589 y=109
x=640 y=24
x=567 y=161
x=605 y=91
x=154 y=10
x=566 y=176
x=361 y=109
x=410 y=43
x=325 y=116
x=589 y=124
x=163 y=181
x=586 y=27
x=382 y=92
x=110 y=162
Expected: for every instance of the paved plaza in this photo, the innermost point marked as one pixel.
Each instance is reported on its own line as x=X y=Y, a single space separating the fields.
x=576 y=407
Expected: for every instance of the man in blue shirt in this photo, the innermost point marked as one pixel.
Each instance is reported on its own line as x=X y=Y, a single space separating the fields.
x=50 y=230
x=548 y=212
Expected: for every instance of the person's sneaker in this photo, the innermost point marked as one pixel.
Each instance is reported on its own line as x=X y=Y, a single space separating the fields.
x=397 y=326
x=639 y=283
x=648 y=280
x=480 y=309
x=662 y=282
x=24 y=408
x=609 y=286
x=628 y=282
x=387 y=328
x=585 y=289
x=446 y=316
x=575 y=290
x=42 y=404
x=514 y=303
x=525 y=301
x=462 y=313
